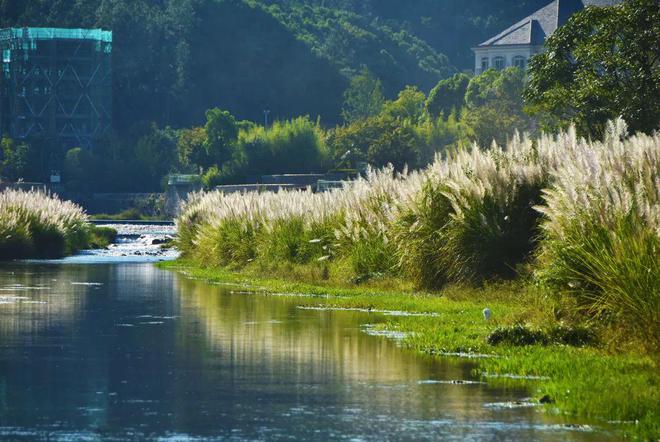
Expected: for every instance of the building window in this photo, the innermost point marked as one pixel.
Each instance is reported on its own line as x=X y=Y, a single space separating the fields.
x=499 y=63
x=519 y=62
x=484 y=64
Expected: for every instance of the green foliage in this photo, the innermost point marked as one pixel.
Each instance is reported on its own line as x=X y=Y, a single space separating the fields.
x=363 y=98
x=495 y=106
x=613 y=272
x=101 y=237
x=601 y=65
x=378 y=140
x=14 y=159
x=397 y=145
x=221 y=134
x=409 y=105
x=521 y=335
x=190 y=147
x=289 y=146
x=503 y=87
x=448 y=96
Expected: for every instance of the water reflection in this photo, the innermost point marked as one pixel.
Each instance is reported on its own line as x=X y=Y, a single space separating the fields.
x=132 y=352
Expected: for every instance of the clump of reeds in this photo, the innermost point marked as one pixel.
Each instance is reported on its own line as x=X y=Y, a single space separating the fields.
x=474 y=218
x=37 y=225
x=586 y=214
x=601 y=228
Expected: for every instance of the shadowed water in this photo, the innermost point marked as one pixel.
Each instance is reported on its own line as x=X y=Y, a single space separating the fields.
x=127 y=351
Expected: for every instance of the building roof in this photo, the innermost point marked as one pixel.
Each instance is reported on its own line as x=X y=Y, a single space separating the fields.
x=55 y=34
x=538 y=26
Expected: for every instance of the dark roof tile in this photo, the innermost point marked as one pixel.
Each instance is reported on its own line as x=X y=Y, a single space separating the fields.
x=535 y=28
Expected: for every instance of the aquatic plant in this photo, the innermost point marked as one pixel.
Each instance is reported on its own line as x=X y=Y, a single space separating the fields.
x=37 y=224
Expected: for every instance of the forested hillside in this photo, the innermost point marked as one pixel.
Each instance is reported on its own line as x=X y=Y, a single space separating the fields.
x=450 y=27
x=174 y=59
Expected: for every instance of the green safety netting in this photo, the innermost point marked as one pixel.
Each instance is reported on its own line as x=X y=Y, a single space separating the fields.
x=55 y=33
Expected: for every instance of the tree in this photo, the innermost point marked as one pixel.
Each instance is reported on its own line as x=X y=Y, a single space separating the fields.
x=156 y=155
x=363 y=98
x=15 y=158
x=504 y=87
x=602 y=64
x=494 y=106
x=397 y=145
x=448 y=95
x=409 y=105
x=221 y=135
x=191 y=147
x=378 y=140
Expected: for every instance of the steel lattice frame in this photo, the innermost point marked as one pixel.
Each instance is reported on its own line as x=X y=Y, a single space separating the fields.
x=56 y=84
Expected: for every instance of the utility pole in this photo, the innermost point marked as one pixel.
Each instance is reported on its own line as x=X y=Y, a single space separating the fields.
x=266 y=112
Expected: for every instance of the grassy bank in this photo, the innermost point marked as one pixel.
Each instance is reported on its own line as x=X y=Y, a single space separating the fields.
x=586 y=377
x=575 y=222
x=39 y=225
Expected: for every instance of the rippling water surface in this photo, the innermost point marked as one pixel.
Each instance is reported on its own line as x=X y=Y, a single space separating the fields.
x=118 y=350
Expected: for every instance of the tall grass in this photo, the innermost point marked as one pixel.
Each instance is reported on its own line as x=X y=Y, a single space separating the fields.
x=474 y=217
x=37 y=225
x=584 y=214
x=601 y=232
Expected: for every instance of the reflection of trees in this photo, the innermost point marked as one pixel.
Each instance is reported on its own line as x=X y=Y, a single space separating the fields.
x=323 y=345
x=34 y=298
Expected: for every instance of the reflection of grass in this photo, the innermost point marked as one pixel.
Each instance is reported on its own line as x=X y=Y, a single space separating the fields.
x=584 y=381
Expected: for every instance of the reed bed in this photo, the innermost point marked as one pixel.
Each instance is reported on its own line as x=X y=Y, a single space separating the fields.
x=583 y=215
x=37 y=225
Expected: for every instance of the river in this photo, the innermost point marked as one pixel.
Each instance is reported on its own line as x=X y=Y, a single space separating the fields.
x=105 y=346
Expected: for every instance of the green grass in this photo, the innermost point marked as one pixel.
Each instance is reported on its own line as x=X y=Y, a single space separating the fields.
x=132 y=214
x=592 y=382
x=100 y=237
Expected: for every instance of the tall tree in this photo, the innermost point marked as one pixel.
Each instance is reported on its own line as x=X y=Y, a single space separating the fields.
x=363 y=98
x=604 y=63
x=448 y=95
x=221 y=135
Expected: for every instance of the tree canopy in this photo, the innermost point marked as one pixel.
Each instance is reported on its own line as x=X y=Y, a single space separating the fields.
x=448 y=95
x=604 y=63
x=363 y=98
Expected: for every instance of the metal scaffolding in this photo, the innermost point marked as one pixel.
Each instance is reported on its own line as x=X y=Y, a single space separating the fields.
x=56 y=85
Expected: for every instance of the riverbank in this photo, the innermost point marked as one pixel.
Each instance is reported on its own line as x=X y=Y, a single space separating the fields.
x=568 y=367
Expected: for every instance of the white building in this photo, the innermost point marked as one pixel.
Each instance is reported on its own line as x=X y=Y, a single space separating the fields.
x=517 y=44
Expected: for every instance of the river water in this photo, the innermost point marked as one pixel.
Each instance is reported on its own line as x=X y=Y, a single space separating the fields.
x=104 y=346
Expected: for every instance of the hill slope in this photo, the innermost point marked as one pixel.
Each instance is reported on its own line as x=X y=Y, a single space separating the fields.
x=174 y=59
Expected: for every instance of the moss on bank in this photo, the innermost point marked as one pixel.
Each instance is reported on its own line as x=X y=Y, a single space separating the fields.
x=590 y=381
